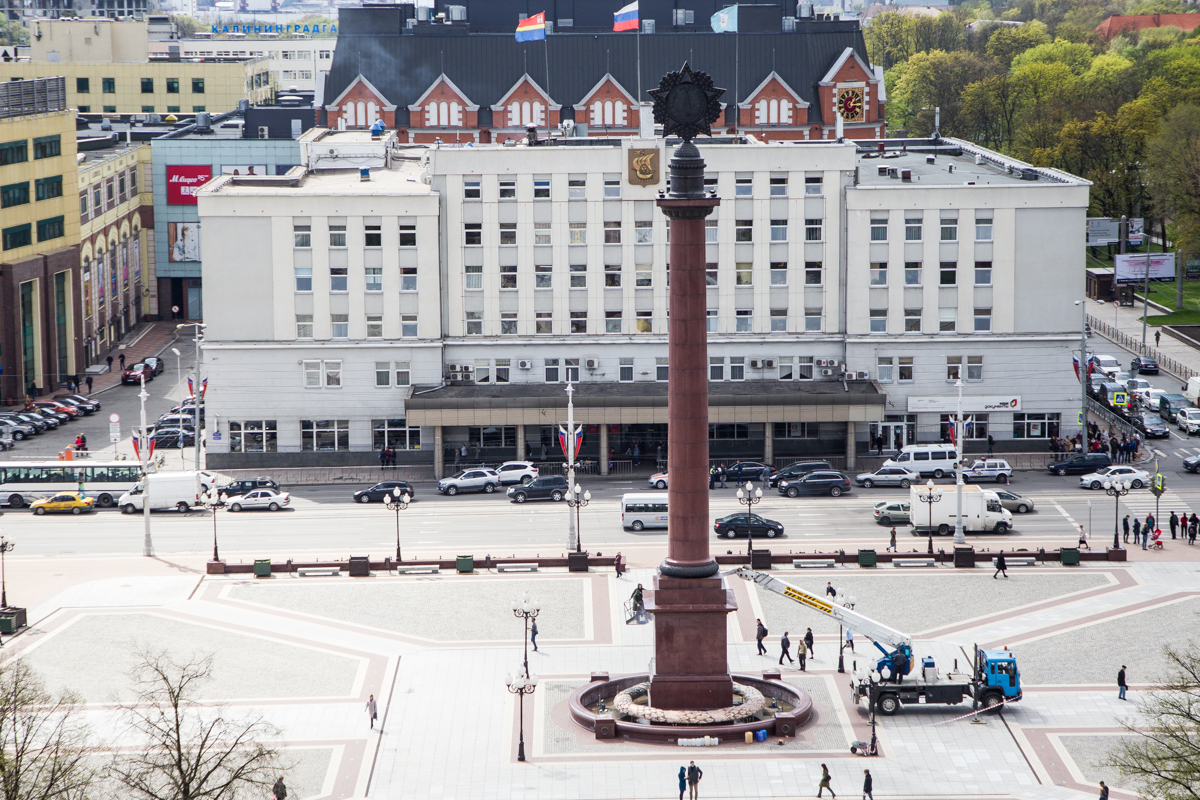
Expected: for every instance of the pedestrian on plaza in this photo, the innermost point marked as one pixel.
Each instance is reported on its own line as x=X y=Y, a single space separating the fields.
x=825 y=782
x=89 y=383
x=1145 y=536
x=682 y=781
x=636 y=597
x=1157 y=336
x=850 y=639
x=455 y=459
x=544 y=452
x=760 y=634
x=1125 y=529
x=1149 y=522
x=785 y=644
x=991 y=446
x=1174 y=523
x=721 y=474
x=738 y=474
x=372 y=710
x=712 y=478
x=121 y=358
x=109 y=360
x=382 y=457
x=619 y=565
x=829 y=590
x=892 y=542
x=1192 y=534
x=802 y=656
x=1121 y=685
x=79 y=442
x=808 y=642
x=1137 y=529
x=279 y=790
x=867 y=784
x=637 y=455
x=694 y=774
x=1195 y=525
x=1083 y=542
x=83 y=438
x=1103 y=788
x=533 y=635
x=1001 y=565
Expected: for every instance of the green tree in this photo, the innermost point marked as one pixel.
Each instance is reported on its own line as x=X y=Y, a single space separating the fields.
x=936 y=80
x=1109 y=83
x=888 y=39
x=991 y=105
x=1007 y=42
x=1045 y=90
x=187 y=26
x=1109 y=151
x=1173 y=168
x=1077 y=57
x=12 y=32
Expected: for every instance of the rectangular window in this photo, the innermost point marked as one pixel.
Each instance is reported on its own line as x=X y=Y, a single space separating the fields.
x=47 y=146
x=576 y=233
x=108 y=85
x=147 y=85
x=983 y=273
x=710 y=275
x=578 y=322
x=743 y=187
x=408 y=326
x=779 y=230
x=147 y=109
x=83 y=206
x=947 y=320
x=879 y=274
x=474 y=323
x=612 y=188
x=508 y=233
x=812 y=230
x=302 y=235
x=571 y=365
x=743 y=273
x=303 y=279
x=796 y=430
x=804 y=368
x=626 y=370
x=197 y=85
x=912 y=229
x=198 y=109
x=710 y=231
x=743 y=230
x=643 y=278
x=983 y=320
x=502 y=364
x=16 y=194
x=878 y=320
x=472 y=233
x=812 y=273
x=949 y=273
x=50 y=229
x=612 y=321
x=383 y=373
x=508 y=276
x=110 y=109
x=812 y=320
x=83 y=85
x=508 y=190
x=643 y=232
x=304 y=326
x=737 y=368
x=716 y=368
x=912 y=320
x=471 y=189
x=84 y=109
x=374 y=326
x=779 y=273
x=408 y=279
x=787 y=368
x=508 y=323
x=904 y=369
x=812 y=186
x=374 y=279
x=473 y=277
x=551 y=370
x=543 y=276
x=253 y=436
x=779 y=187
x=974 y=368
x=312 y=374
x=612 y=276
x=373 y=236
x=662 y=369
x=949 y=230
x=644 y=322
x=1035 y=426
x=710 y=320
x=408 y=235
x=544 y=322
x=912 y=273
x=953 y=368
x=983 y=229
x=337 y=235
x=744 y=318
x=578 y=276
x=339 y=326
x=541 y=190
x=577 y=189
x=324 y=435
x=612 y=232
x=878 y=229
x=541 y=233
x=337 y=279
x=884 y=369
x=778 y=320
x=172 y=85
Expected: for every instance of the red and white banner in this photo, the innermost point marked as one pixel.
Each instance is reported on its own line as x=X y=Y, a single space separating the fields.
x=184 y=181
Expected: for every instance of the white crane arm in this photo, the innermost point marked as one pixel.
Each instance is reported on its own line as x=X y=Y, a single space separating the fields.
x=875 y=631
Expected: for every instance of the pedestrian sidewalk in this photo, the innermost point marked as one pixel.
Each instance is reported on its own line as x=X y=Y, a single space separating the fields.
x=150 y=342
x=1123 y=327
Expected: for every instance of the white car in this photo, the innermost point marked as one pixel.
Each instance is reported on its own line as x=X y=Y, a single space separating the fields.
x=517 y=472
x=988 y=469
x=658 y=480
x=1108 y=365
x=1149 y=397
x=1117 y=472
x=1188 y=420
x=1137 y=386
x=470 y=480
x=258 y=499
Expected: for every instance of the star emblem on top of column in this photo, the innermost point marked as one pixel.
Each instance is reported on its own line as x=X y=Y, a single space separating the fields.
x=686 y=103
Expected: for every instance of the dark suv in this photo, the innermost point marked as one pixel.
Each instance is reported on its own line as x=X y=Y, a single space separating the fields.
x=1080 y=464
x=551 y=487
x=793 y=471
x=246 y=486
x=833 y=484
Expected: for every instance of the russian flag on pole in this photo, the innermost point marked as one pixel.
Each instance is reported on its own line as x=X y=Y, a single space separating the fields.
x=564 y=441
x=532 y=29
x=191 y=388
x=136 y=452
x=203 y=388
x=150 y=444
x=627 y=18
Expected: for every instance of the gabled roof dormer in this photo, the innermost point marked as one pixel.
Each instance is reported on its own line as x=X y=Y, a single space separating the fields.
x=848 y=67
x=774 y=102
x=444 y=105
x=359 y=105
x=608 y=105
x=525 y=104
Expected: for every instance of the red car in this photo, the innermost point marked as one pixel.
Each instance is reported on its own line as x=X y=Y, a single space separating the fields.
x=61 y=408
x=133 y=373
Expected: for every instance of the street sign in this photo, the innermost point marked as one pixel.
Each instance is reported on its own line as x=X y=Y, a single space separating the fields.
x=114 y=418
x=114 y=432
x=1080 y=417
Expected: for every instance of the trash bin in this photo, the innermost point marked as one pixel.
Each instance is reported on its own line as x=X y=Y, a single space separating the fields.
x=12 y=620
x=1069 y=556
x=866 y=558
x=360 y=567
x=760 y=559
x=262 y=568
x=577 y=562
x=465 y=564
x=964 y=557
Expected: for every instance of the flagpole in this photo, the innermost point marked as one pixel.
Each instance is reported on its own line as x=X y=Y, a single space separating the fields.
x=639 y=66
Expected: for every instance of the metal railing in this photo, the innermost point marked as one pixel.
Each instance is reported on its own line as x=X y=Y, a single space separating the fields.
x=1111 y=417
x=1134 y=344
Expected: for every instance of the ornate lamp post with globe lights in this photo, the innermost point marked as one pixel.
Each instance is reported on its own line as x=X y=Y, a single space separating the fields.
x=1116 y=490
x=577 y=499
x=521 y=684
x=211 y=502
x=397 y=501
x=750 y=498
x=849 y=602
x=931 y=495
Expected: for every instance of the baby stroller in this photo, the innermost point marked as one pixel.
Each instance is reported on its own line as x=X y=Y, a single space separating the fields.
x=1156 y=542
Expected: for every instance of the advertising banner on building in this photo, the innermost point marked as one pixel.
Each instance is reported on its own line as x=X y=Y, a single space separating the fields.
x=970 y=405
x=1103 y=231
x=183 y=241
x=1132 y=267
x=184 y=181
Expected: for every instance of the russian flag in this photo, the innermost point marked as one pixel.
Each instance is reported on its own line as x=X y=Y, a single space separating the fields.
x=627 y=18
x=191 y=388
x=150 y=445
x=1091 y=365
x=532 y=29
x=564 y=441
x=136 y=441
x=203 y=388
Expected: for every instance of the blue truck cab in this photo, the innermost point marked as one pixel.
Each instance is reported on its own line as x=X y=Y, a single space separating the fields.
x=996 y=670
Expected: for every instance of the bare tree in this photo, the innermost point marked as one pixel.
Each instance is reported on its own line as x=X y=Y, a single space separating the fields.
x=1163 y=756
x=190 y=751
x=43 y=744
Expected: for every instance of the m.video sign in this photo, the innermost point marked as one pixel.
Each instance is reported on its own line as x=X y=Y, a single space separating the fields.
x=258 y=30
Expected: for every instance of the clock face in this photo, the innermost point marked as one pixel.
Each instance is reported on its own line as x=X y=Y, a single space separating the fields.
x=850 y=104
x=687 y=103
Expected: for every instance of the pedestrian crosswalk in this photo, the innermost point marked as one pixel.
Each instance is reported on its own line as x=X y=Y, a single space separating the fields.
x=1139 y=504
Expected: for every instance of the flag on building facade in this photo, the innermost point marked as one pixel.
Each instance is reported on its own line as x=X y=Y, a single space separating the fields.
x=725 y=20
x=532 y=29
x=627 y=18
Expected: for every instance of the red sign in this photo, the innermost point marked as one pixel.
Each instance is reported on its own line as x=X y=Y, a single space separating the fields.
x=183 y=182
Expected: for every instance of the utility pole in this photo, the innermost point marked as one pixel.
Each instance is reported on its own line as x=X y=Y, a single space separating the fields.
x=197 y=391
x=143 y=453
x=959 y=537
x=1146 y=284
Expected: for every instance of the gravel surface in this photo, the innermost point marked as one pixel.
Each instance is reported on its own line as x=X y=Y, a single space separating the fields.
x=1089 y=752
x=305 y=770
x=95 y=655
x=452 y=610
x=1095 y=653
x=918 y=601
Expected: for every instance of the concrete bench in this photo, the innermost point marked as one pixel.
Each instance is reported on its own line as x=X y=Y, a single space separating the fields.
x=913 y=562
x=427 y=569
x=1018 y=561
x=306 y=572
x=516 y=568
x=803 y=563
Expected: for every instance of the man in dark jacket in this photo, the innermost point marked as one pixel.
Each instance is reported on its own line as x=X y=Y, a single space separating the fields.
x=786 y=644
x=1174 y=524
x=1125 y=529
x=1001 y=565
x=761 y=634
x=829 y=590
x=1121 y=686
x=867 y=784
x=279 y=789
x=694 y=774
x=808 y=642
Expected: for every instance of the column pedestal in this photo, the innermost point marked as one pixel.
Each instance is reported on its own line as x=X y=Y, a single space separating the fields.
x=691 y=665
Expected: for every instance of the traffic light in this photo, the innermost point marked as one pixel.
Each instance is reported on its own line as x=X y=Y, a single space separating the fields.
x=1158 y=485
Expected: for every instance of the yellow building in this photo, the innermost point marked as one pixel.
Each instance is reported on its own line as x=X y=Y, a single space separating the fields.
x=40 y=278
x=55 y=40
x=116 y=252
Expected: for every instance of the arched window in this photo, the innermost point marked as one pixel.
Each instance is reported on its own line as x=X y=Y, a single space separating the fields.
x=372 y=113
x=455 y=115
x=431 y=114
x=597 y=114
x=608 y=112
x=619 y=114
x=514 y=114
x=443 y=114
x=539 y=115
x=773 y=117
x=785 y=112
x=760 y=113
x=362 y=114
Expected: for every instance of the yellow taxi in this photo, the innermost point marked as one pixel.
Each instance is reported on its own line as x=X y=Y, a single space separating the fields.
x=64 y=502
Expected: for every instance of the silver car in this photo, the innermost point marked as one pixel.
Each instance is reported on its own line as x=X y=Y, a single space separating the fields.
x=888 y=476
x=1014 y=502
x=892 y=512
x=470 y=480
x=18 y=430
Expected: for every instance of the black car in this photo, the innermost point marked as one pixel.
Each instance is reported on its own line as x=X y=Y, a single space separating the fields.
x=235 y=488
x=1151 y=425
x=1143 y=365
x=383 y=491
x=550 y=487
x=178 y=421
x=1192 y=463
x=746 y=524
x=155 y=363
x=174 y=437
x=52 y=422
x=1080 y=464
x=36 y=420
x=793 y=471
x=750 y=471
x=833 y=484
x=84 y=400
x=187 y=411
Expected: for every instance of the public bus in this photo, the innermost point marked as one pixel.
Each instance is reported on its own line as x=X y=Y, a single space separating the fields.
x=22 y=482
x=641 y=510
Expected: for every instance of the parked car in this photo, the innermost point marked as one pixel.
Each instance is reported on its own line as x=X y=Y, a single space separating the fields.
x=1117 y=472
x=750 y=471
x=1188 y=420
x=133 y=374
x=82 y=398
x=1191 y=463
x=246 y=486
x=793 y=471
x=63 y=503
x=173 y=437
x=888 y=476
x=259 y=499
x=377 y=493
x=1014 y=502
x=830 y=483
x=39 y=425
x=988 y=469
x=86 y=409
x=1144 y=365
x=1079 y=464
x=1109 y=365
x=177 y=421
x=658 y=480
x=155 y=364
x=188 y=411
x=52 y=421
x=516 y=472
x=892 y=512
x=1151 y=425
x=550 y=487
x=57 y=409
x=15 y=428
x=743 y=524
x=470 y=480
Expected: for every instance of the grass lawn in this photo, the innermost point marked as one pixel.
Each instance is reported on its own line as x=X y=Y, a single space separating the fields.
x=1164 y=295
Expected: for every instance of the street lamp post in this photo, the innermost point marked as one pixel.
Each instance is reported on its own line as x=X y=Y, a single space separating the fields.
x=959 y=431
x=212 y=502
x=397 y=501
x=179 y=377
x=572 y=536
x=849 y=602
x=144 y=453
x=931 y=495
x=577 y=501
x=5 y=546
x=197 y=393
x=750 y=498
x=521 y=685
x=1116 y=490
x=1083 y=375
x=526 y=609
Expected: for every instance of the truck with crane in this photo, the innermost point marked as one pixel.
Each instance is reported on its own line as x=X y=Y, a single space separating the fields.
x=993 y=681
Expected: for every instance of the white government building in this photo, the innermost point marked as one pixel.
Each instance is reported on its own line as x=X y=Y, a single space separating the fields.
x=446 y=299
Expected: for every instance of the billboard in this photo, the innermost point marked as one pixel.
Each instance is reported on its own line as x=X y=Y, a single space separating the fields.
x=184 y=181
x=183 y=241
x=1103 y=231
x=1131 y=267
x=949 y=405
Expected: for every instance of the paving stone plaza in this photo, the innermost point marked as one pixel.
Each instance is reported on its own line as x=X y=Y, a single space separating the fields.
x=434 y=650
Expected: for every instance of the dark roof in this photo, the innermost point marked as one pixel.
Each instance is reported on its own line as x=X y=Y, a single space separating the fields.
x=485 y=66
x=595 y=394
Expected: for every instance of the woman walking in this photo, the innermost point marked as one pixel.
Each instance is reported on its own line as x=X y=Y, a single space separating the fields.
x=682 y=781
x=825 y=782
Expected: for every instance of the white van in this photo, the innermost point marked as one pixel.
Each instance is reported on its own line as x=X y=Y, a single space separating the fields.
x=641 y=510
x=178 y=490
x=929 y=460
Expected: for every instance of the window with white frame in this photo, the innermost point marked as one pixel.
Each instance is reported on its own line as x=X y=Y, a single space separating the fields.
x=912 y=320
x=541 y=233
x=953 y=368
x=778 y=320
x=571 y=369
x=878 y=228
x=383 y=373
x=472 y=234
x=662 y=370
x=483 y=370
x=337 y=236
x=710 y=231
x=884 y=366
x=912 y=273
x=813 y=230
x=710 y=320
x=408 y=279
x=947 y=320
x=612 y=187
x=779 y=187
x=508 y=277
x=372 y=236
x=644 y=322
x=319 y=374
x=878 y=320
x=812 y=320
x=319 y=435
x=578 y=276
x=612 y=232
x=473 y=277
x=975 y=426
x=577 y=189
x=471 y=189
x=1035 y=426
x=643 y=232
x=949 y=229
x=743 y=187
x=302 y=235
x=625 y=374
x=394 y=434
x=983 y=320
x=983 y=228
x=744 y=318
x=408 y=326
x=813 y=273
x=879 y=273
x=812 y=186
x=374 y=326
x=737 y=368
x=508 y=189
x=304 y=326
x=779 y=273
x=339 y=326
x=374 y=279
x=743 y=230
x=716 y=368
x=577 y=233
x=408 y=235
x=303 y=279
x=612 y=321
x=710 y=275
x=312 y=374
x=779 y=230
x=904 y=369
x=974 y=368
x=543 y=275
x=804 y=368
x=743 y=273
x=612 y=276
x=948 y=273
x=337 y=279
x=508 y=233
x=543 y=322
x=912 y=227
x=551 y=368
x=578 y=322
x=503 y=366
x=541 y=189
x=474 y=323
x=983 y=273
x=787 y=368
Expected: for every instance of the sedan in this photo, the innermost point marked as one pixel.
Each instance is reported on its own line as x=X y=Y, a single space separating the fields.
x=891 y=512
x=52 y=422
x=64 y=503
x=134 y=372
x=84 y=408
x=551 y=487
x=1117 y=472
x=748 y=471
x=174 y=437
x=245 y=486
x=792 y=471
x=57 y=409
x=1014 y=502
x=1151 y=425
x=155 y=363
x=259 y=499
x=470 y=480
x=1149 y=397
x=84 y=400
x=1144 y=365
x=833 y=484
x=1192 y=464
x=383 y=491
x=38 y=424
x=658 y=480
x=888 y=476
x=747 y=525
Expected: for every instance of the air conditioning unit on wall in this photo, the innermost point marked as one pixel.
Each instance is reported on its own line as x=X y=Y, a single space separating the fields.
x=591 y=362
x=756 y=363
x=525 y=364
x=827 y=372
x=862 y=375
x=768 y=363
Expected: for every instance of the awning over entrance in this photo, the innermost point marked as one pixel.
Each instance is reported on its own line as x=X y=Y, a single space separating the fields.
x=643 y=403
